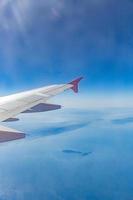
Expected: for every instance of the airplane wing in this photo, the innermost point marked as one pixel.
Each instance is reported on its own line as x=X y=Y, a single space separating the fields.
x=29 y=101
x=8 y=134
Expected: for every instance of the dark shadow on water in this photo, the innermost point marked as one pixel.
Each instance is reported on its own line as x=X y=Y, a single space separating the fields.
x=123 y=121
x=70 y=151
x=55 y=130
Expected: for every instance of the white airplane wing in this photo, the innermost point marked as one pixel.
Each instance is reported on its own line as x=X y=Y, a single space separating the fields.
x=28 y=102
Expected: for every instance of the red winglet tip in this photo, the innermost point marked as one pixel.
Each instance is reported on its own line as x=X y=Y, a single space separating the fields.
x=75 y=84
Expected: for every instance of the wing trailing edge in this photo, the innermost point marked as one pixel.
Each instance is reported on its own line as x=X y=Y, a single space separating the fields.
x=42 y=107
x=8 y=134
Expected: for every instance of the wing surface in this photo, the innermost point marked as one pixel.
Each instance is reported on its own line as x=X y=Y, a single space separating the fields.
x=12 y=105
x=29 y=101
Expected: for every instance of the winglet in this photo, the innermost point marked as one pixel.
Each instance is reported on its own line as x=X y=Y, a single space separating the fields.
x=74 y=84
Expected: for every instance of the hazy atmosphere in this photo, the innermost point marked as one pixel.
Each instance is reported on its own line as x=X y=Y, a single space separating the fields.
x=84 y=150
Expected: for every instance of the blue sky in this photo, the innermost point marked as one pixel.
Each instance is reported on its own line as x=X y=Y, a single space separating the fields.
x=44 y=42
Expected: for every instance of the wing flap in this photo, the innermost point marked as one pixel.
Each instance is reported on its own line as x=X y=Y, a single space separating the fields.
x=8 y=134
x=42 y=107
